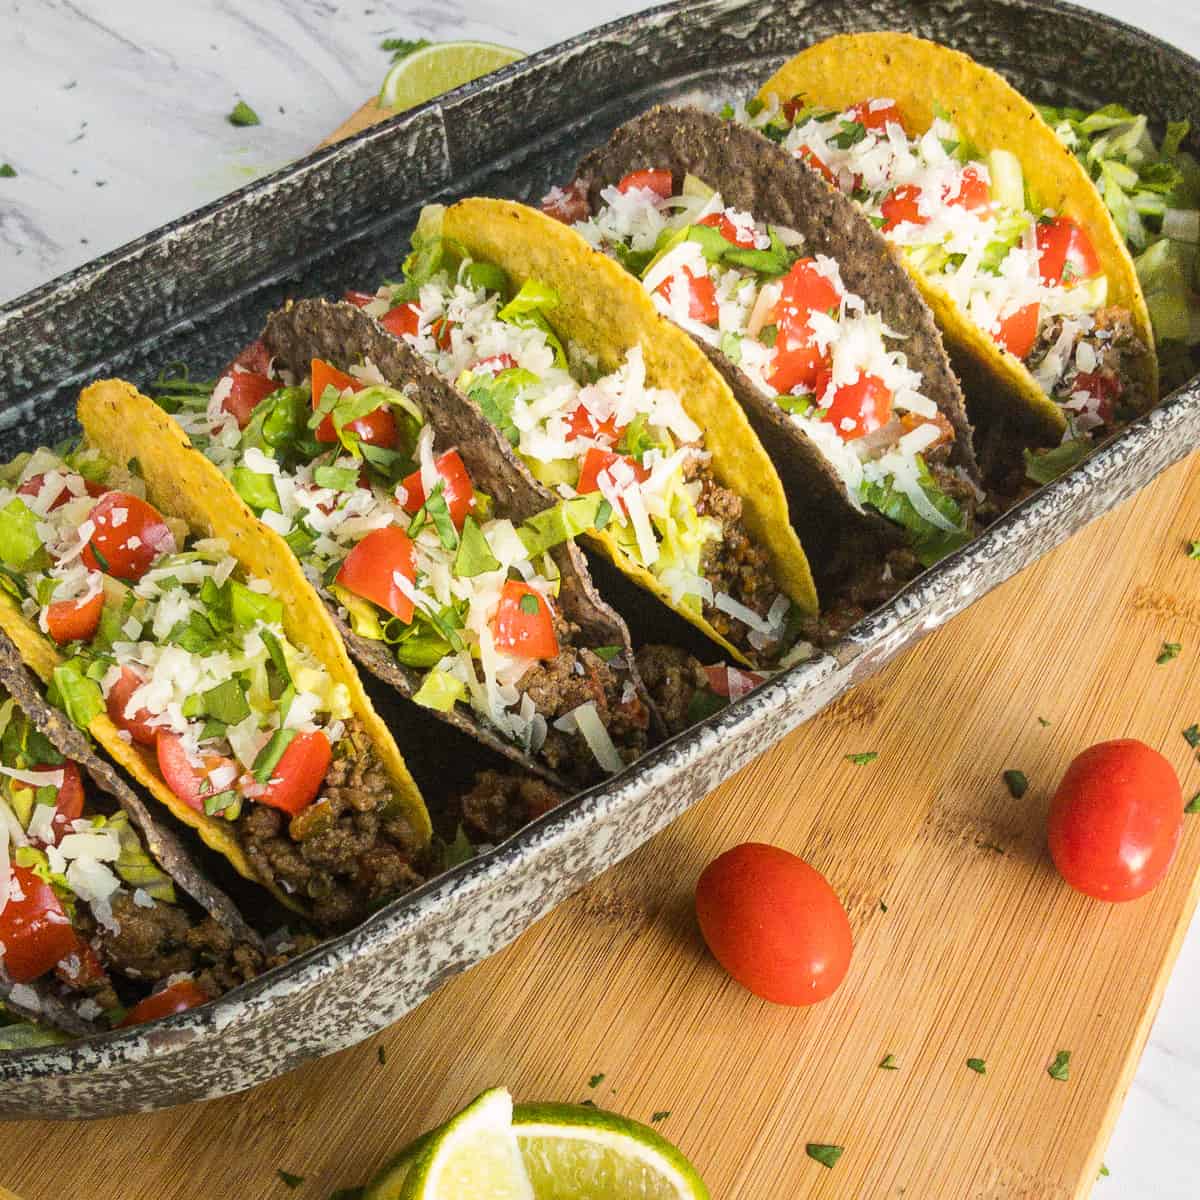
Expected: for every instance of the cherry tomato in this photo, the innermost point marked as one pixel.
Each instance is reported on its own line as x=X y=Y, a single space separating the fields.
x=139 y=726
x=702 y=296
x=495 y=364
x=191 y=783
x=774 y=923
x=359 y=299
x=129 y=535
x=1115 y=820
x=597 y=460
x=248 y=391
x=583 y=424
x=457 y=490
x=74 y=620
x=372 y=570
x=910 y=421
x=376 y=428
x=523 y=623
x=809 y=157
x=176 y=998
x=867 y=403
x=1018 y=331
x=568 y=205
x=298 y=775
x=33 y=928
x=874 y=115
x=81 y=968
x=401 y=320
x=34 y=484
x=1065 y=252
x=804 y=291
x=900 y=206
x=736 y=234
x=658 y=182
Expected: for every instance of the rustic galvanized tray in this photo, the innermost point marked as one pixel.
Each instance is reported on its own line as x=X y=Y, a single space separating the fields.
x=201 y=286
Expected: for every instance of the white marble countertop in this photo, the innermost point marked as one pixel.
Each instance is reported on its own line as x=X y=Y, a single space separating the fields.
x=113 y=113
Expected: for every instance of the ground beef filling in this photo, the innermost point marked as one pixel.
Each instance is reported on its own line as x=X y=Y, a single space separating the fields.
x=500 y=802
x=672 y=677
x=348 y=852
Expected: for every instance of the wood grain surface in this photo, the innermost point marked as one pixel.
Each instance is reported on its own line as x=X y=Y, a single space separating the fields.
x=981 y=951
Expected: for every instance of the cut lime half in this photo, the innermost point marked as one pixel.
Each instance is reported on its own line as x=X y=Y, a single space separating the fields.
x=439 y=68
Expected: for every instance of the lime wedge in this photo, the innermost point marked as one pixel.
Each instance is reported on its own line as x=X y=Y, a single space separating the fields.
x=435 y=69
x=389 y=1182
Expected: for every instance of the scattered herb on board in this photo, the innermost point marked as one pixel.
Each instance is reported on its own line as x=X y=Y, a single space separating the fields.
x=661 y=1115
x=1193 y=805
x=889 y=1063
x=243 y=114
x=992 y=847
x=1103 y=1171
x=596 y=1080
x=1169 y=651
x=7 y=171
x=1017 y=782
x=978 y=1065
x=882 y=905
x=401 y=48
x=827 y=1156
x=1060 y=1068
x=1191 y=735
x=1193 y=550
x=381 y=1054
x=292 y=1181
x=861 y=760
x=587 y=1104
x=1043 y=722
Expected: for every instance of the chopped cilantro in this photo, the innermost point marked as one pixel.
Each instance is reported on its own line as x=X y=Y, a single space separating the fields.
x=1169 y=651
x=889 y=1063
x=827 y=1156
x=7 y=171
x=243 y=114
x=978 y=1065
x=381 y=1054
x=292 y=1181
x=1060 y=1068
x=607 y=653
x=1043 y=722
x=1103 y=1171
x=1193 y=550
x=401 y=48
x=992 y=847
x=1193 y=805
x=882 y=905
x=861 y=760
x=269 y=756
x=221 y=802
x=529 y=604
x=661 y=1115
x=1191 y=735
x=596 y=1080
x=1017 y=783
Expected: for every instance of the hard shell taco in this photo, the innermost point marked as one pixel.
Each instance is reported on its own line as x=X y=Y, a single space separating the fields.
x=185 y=639
x=451 y=573
x=819 y=331
x=997 y=222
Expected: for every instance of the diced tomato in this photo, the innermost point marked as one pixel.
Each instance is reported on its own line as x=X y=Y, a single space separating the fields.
x=900 y=206
x=910 y=421
x=973 y=191
x=34 y=484
x=583 y=424
x=1065 y=252
x=81 y=968
x=805 y=290
x=872 y=115
x=372 y=568
x=74 y=620
x=34 y=930
x=138 y=725
x=523 y=623
x=457 y=489
x=441 y=330
x=495 y=364
x=658 y=182
x=68 y=805
x=129 y=535
x=177 y=998
x=298 y=775
x=249 y=389
x=255 y=357
x=1105 y=387
x=359 y=299
x=736 y=234
x=191 y=783
x=797 y=362
x=597 y=460
x=731 y=682
x=702 y=296
x=401 y=320
x=1018 y=331
x=376 y=428
x=808 y=156
x=867 y=402
x=568 y=204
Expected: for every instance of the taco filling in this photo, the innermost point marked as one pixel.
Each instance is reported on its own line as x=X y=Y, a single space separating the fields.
x=187 y=654
x=788 y=322
x=391 y=527
x=1030 y=279
x=587 y=433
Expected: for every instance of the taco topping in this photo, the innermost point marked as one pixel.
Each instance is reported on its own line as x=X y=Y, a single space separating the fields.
x=792 y=327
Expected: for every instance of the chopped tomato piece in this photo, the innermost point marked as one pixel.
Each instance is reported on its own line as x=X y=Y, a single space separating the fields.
x=731 y=682
x=34 y=930
x=568 y=205
x=255 y=357
x=973 y=191
x=1018 y=331
x=298 y=775
x=736 y=234
x=910 y=421
x=248 y=390
x=117 y=700
x=129 y=535
x=34 y=484
x=81 y=968
x=596 y=461
x=1065 y=252
x=495 y=364
x=523 y=623
x=376 y=428
x=866 y=403
x=176 y=998
x=74 y=620
x=583 y=424
x=359 y=299
x=797 y=362
x=900 y=206
x=658 y=182
x=191 y=783
x=382 y=568
x=457 y=489
x=702 y=296
x=441 y=330
x=805 y=290
x=876 y=114
x=808 y=156
x=68 y=805
x=401 y=320
x=1105 y=387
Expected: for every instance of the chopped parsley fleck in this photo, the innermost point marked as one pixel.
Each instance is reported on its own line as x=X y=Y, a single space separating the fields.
x=292 y=1181
x=1017 y=783
x=1191 y=735
x=1193 y=550
x=401 y=48
x=587 y=1104
x=992 y=847
x=661 y=1115
x=596 y=1080
x=827 y=1156
x=243 y=114
x=1193 y=805
x=978 y=1065
x=889 y=1063
x=1060 y=1068
x=381 y=1054
x=529 y=604
x=861 y=760
x=882 y=905
x=1043 y=722
x=1169 y=651
x=1103 y=1171
x=7 y=171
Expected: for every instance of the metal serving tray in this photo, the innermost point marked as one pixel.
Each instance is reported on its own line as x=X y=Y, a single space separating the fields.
x=201 y=286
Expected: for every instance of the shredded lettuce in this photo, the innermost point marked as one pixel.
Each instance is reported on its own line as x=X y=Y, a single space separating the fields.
x=564 y=521
x=77 y=695
x=528 y=308
x=135 y=866
x=19 y=541
x=1042 y=466
x=440 y=691
x=257 y=489
x=929 y=543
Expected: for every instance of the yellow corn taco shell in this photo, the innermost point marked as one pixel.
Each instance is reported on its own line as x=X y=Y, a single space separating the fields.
x=180 y=481
x=992 y=115
x=604 y=309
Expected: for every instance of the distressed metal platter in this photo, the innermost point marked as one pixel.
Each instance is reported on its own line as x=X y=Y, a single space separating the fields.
x=201 y=286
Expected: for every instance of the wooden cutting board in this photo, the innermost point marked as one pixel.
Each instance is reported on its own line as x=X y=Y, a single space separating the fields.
x=981 y=952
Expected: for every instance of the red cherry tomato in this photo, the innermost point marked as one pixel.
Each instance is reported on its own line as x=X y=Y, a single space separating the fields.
x=376 y=428
x=177 y=998
x=74 y=620
x=33 y=928
x=808 y=156
x=702 y=296
x=900 y=206
x=1115 y=820
x=372 y=568
x=1018 y=331
x=582 y=424
x=867 y=402
x=495 y=364
x=34 y=484
x=457 y=490
x=523 y=623
x=248 y=391
x=877 y=117
x=139 y=726
x=401 y=320
x=298 y=775
x=658 y=182
x=804 y=291
x=1065 y=252
x=736 y=234
x=597 y=460
x=568 y=205
x=359 y=299
x=129 y=535
x=191 y=783
x=774 y=923
x=973 y=191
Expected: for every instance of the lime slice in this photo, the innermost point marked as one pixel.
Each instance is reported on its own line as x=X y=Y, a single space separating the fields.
x=435 y=69
x=389 y=1182
x=577 y=1153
